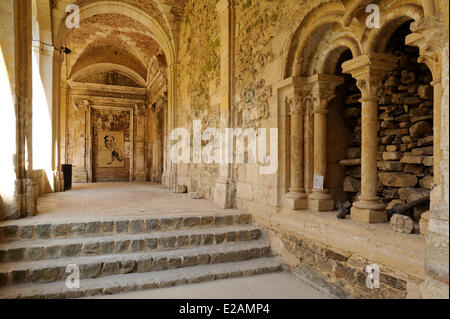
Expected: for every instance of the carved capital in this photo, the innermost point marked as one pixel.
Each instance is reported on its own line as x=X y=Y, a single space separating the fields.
x=294 y=106
x=324 y=90
x=368 y=87
x=368 y=70
x=81 y=105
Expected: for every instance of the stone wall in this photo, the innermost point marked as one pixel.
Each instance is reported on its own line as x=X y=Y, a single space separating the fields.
x=198 y=86
x=340 y=272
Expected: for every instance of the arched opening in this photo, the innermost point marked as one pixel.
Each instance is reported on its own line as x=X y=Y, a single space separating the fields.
x=111 y=92
x=344 y=137
x=42 y=108
x=405 y=97
x=7 y=111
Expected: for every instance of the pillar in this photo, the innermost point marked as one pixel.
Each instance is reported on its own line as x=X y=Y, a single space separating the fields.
x=431 y=36
x=323 y=92
x=224 y=187
x=81 y=136
x=368 y=70
x=58 y=177
x=297 y=197
x=428 y=37
x=25 y=199
x=140 y=172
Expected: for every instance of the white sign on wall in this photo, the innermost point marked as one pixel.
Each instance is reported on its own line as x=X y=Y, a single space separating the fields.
x=318 y=182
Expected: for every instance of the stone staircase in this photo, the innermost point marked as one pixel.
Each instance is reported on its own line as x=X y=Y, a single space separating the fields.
x=123 y=255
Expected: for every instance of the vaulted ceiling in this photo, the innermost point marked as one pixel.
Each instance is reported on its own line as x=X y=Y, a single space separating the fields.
x=115 y=41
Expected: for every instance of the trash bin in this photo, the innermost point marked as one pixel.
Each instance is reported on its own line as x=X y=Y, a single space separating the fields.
x=67 y=172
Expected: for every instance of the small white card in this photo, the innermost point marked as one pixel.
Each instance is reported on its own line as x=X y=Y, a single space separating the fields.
x=318 y=182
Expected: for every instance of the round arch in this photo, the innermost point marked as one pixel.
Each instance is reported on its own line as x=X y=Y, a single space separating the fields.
x=330 y=52
x=325 y=14
x=107 y=67
x=108 y=7
x=375 y=40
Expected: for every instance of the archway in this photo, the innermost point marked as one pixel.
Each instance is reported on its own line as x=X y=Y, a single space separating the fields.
x=108 y=88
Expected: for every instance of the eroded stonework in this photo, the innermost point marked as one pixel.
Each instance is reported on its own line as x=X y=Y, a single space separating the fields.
x=359 y=118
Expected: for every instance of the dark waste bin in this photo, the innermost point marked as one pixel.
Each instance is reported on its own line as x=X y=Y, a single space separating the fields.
x=67 y=172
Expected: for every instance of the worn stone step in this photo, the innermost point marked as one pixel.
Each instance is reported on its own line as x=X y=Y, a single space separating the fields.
x=26 y=230
x=150 y=280
x=35 y=250
x=109 y=265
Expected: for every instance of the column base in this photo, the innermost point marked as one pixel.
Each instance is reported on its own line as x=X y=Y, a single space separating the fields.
x=140 y=177
x=297 y=201
x=221 y=195
x=320 y=201
x=370 y=212
x=58 y=181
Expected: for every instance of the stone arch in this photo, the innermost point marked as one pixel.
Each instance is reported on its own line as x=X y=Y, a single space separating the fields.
x=320 y=19
x=105 y=7
x=104 y=56
x=375 y=40
x=165 y=39
x=330 y=53
x=104 y=67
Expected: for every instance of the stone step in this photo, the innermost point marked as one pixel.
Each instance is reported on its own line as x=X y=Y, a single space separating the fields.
x=27 y=230
x=35 y=250
x=137 y=281
x=109 y=265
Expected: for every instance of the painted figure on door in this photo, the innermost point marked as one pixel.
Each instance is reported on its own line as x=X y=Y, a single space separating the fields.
x=111 y=149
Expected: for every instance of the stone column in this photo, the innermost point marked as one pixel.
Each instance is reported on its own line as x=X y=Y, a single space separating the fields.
x=140 y=172
x=323 y=92
x=368 y=71
x=224 y=186
x=431 y=36
x=296 y=196
x=81 y=139
x=24 y=197
x=58 y=177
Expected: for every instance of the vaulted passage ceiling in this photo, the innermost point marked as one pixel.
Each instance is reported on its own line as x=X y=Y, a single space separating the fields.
x=115 y=42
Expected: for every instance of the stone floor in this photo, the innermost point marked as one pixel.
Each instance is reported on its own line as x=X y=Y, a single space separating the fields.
x=118 y=200
x=272 y=286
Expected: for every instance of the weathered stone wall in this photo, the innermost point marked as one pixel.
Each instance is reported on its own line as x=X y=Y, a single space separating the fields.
x=198 y=80
x=340 y=272
x=264 y=31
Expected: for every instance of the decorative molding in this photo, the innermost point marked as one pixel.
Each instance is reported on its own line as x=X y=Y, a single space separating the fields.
x=81 y=105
